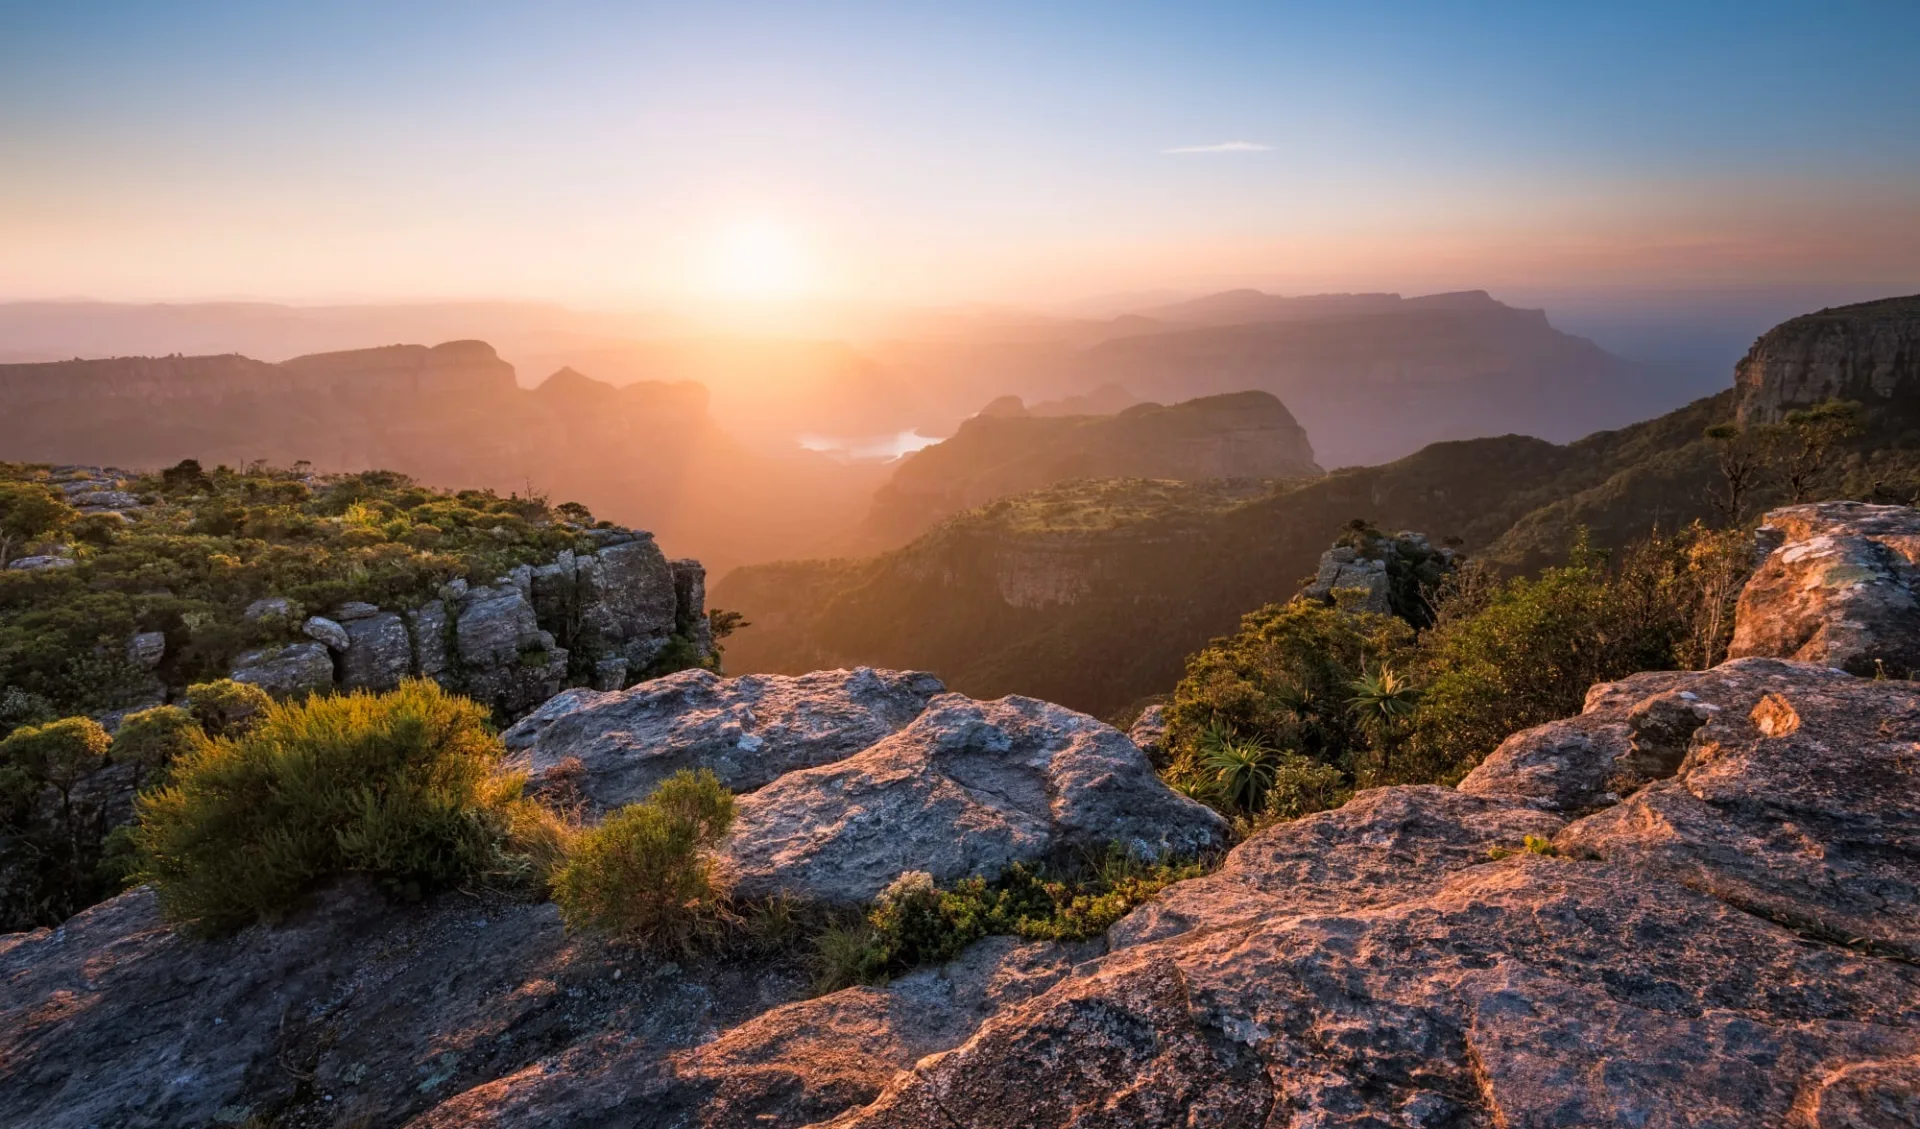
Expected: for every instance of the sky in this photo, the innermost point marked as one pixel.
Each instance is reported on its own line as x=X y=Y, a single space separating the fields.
x=617 y=155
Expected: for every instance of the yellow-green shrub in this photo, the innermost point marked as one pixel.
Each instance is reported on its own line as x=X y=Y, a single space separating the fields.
x=224 y=707
x=646 y=872
x=405 y=787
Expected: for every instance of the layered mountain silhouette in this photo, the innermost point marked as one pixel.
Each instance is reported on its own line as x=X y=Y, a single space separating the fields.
x=448 y=415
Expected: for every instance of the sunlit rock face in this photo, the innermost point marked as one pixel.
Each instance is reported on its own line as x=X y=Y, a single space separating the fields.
x=1839 y=585
x=1868 y=352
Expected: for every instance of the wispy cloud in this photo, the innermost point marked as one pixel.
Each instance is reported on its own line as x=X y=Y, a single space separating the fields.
x=1223 y=147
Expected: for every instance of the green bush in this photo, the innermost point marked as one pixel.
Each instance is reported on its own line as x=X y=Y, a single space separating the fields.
x=646 y=873
x=1302 y=787
x=1524 y=652
x=225 y=708
x=1281 y=687
x=405 y=787
x=154 y=738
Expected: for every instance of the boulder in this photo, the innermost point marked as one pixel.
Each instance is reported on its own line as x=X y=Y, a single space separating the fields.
x=610 y=673
x=147 y=648
x=354 y=609
x=323 y=630
x=294 y=670
x=747 y=730
x=1631 y=732
x=494 y=625
x=1838 y=586
x=968 y=788
x=1149 y=731
x=627 y=594
x=105 y=499
x=1799 y=802
x=381 y=654
x=30 y=564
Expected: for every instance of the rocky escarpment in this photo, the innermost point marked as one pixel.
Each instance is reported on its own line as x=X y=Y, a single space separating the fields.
x=1696 y=904
x=1869 y=352
x=606 y=615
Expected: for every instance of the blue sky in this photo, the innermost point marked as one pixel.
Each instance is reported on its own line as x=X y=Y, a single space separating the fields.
x=613 y=153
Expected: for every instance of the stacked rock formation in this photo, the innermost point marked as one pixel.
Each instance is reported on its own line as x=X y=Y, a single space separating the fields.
x=507 y=643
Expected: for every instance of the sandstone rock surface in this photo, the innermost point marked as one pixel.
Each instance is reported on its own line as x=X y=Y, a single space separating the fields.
x=1375 y=966
x=747 y=730
x=1723 y=931
x=1840 y=587
x=967 y=789
x=289 y=671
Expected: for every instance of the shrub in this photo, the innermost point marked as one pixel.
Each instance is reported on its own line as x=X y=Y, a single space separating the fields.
x=1284 y=681
x=225 y=708
x=646 y=873
x=913 y=922
x=1524 y=652
x=405 y=787
x=154 y=738
x=1302 y=787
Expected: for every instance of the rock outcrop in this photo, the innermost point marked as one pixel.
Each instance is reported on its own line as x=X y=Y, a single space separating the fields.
x=1869 y=352
x=968 y=788
x=748 y=730
x=1379 y=574
x=1839 y=585
x=508 y=643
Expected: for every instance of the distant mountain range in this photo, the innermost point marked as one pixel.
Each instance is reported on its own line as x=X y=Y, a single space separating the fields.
x=450 y=415
x=1092 y=593
x=1371 y=377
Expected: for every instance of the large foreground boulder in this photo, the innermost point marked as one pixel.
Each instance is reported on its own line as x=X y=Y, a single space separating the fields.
x=1839 y=586
x=747 y=730
x=968 y=789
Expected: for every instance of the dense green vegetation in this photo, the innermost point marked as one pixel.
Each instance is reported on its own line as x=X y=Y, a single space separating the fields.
x=1308 y=701
x=205 y=544
x=405 y=788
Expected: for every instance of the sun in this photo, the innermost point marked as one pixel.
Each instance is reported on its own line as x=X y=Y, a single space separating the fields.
x=758 y=259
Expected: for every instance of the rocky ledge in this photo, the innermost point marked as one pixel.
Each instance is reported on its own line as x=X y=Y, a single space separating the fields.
x=1696 y=904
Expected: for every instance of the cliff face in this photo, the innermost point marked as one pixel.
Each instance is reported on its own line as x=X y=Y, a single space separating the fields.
x=1868 y=352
